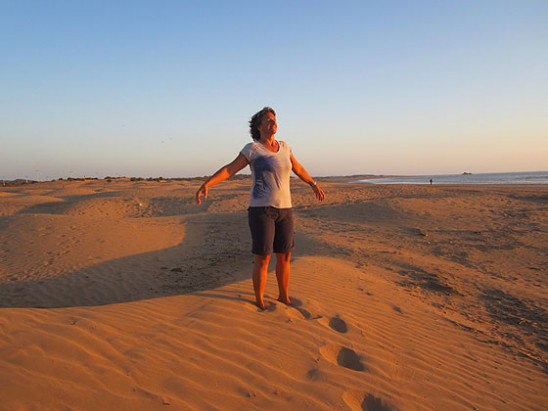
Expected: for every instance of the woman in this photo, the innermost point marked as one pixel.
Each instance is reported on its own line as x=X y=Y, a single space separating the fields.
x=270 y=212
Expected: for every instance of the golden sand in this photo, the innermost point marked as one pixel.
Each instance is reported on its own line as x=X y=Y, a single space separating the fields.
x=127 y=296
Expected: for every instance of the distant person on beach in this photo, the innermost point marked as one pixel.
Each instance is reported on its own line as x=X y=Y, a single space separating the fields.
x=431 y=181
x=270 y=212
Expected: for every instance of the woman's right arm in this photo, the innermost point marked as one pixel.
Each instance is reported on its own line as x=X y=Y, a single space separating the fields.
x=223 y=174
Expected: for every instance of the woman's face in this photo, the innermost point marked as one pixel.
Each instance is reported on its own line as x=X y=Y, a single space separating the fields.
x=268 y=126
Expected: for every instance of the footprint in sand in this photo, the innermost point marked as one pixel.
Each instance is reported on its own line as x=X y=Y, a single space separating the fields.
x=342 y=356
x=336 y=324
x=358 y=401
x=397 y=309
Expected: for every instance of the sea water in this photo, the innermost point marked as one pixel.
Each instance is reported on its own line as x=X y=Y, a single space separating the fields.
x=535 y=177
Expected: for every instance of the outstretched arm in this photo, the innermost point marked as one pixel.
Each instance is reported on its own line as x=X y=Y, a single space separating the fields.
x=300 y=171
x=221 y=175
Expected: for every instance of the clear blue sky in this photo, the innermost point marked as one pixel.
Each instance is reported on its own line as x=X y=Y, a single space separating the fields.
x=166 y=88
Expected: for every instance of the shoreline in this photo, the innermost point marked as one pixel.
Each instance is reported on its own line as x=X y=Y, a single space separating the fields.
x=356 y=178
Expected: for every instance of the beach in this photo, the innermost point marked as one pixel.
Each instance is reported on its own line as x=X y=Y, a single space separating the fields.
x=126 y=295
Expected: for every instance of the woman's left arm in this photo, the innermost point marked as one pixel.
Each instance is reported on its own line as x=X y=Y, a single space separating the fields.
x=300 y=171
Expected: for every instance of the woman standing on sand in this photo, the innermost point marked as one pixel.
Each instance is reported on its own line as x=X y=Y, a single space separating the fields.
x=270 y=212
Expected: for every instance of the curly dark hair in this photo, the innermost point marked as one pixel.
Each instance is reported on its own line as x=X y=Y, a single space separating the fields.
x=256 y=121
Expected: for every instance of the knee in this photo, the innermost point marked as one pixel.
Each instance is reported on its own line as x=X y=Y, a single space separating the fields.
x=262 y=260
x=283 y=258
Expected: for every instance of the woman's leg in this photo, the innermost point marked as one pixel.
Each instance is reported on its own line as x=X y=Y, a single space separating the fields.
x=261 y=224
x=260 y=271
x=283 y=262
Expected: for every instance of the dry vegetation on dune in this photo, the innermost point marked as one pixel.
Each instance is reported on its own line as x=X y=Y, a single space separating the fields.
x=126 y=295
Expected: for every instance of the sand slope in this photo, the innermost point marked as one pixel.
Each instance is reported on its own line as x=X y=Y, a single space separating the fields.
x=125 y=295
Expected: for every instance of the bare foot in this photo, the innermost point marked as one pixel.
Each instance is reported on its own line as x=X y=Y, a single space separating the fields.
x=286 y=300
x=261 y=305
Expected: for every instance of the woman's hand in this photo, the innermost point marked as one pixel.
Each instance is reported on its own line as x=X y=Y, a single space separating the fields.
x=202 y=191
x=221 y=175
x=300 y=171
x=320 y=195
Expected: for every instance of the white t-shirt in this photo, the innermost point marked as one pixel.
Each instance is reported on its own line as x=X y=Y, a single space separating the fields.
x=271 y=173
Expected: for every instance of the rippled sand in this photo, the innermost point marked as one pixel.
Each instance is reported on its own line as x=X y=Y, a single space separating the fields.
x=127 y=296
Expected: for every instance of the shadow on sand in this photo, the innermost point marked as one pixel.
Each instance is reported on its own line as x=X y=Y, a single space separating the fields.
x=215 y=252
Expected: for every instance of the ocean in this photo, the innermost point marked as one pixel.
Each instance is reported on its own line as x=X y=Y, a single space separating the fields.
x=535 y=177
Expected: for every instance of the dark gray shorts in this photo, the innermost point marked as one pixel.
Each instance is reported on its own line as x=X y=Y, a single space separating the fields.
x=271 y=229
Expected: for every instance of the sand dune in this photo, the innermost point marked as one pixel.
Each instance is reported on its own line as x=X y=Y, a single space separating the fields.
x=126 y=296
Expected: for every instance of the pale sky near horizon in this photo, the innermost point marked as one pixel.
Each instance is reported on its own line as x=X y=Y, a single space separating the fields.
x=166 y=88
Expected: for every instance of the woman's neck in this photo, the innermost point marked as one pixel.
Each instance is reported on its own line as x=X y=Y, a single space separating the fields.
x=270 y=143
x=268 y=139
